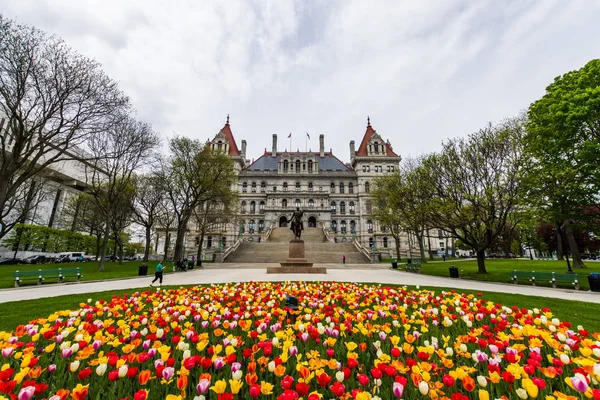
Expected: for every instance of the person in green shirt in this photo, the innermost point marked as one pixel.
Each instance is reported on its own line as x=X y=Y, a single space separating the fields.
x=158 y=275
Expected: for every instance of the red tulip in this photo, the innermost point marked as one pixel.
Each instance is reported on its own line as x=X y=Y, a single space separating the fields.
x=302 y=388
x=323 y=379
x=254 y=391
x=540 y=383
x=363 y=379
x=396 y=352
x=448 y=380
x=337 y=389
x=352 y=363
x=376 y=373
x=287 y=382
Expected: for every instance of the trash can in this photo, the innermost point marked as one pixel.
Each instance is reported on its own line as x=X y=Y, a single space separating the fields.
x=409 y=261
x=594 y=280
x=395 y=264
x=143 y=270
x=453 y=272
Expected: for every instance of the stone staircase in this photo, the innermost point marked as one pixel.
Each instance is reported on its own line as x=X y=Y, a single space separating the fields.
x=317 y=249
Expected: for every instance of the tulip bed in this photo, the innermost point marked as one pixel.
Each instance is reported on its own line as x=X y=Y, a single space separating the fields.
x=345 y=341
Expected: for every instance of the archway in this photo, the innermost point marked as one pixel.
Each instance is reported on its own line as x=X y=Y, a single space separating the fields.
x=312 y=222
x=283 y=222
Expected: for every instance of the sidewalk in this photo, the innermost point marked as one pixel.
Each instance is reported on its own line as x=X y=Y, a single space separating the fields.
x=257 y=272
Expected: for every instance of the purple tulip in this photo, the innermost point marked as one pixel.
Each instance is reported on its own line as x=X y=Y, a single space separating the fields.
x=66 y=352
x=203 y=386
x=168 y=373
x=96 y=345
x=51 y=368
x=579 y=383
x=293 y=350
x=218 y=363
x=26 y=393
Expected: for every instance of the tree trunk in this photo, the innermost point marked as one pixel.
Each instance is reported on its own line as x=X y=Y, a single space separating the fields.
x=104 y=246
x=147 y=247
x=179 y=245
x=397 y=240
x=98 y=249
x=421 y=248
x=575 y=255
x=559 y=242
x=429 y=246
x=167 y=242
x=201 y=243
x=481 y=261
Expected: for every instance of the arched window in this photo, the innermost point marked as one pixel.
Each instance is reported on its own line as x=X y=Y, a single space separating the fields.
x=223 y=242
x=251 y=226
x=332 y=187
x=367 y=187
x=252 y=207
x=297 y=203
x=285 y=166
x=334 y=226
x=310 y=166
x=350 y=187
x=242 y=226
x=352 y=226
x=297 y=166
x=385 y=242
x=284 y=203
x=343 y=226
x=209 y=242
x=333 y=207
x=370 y=226
x=371 y=242
x=285 y=187
x=263 y=186
x=342 y=207
x=297 y=186
x=351 y=204
x=261 y=225
x=368 y=206
x=261 y=207
x=311 y=203
x=310 y=186
x=376 y=147
x=244 y=187
x=341 y=187
x=243 y=207
x=253 y=187
x=220 y=145
x=322 y=204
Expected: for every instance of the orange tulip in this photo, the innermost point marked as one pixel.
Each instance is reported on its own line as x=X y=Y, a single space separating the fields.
x=252 y=366
x=34 y=372
x=182 y=382
x=468 y=383
x=144 y=377
x=63 y=394
x=80 y=392
x=251 y=378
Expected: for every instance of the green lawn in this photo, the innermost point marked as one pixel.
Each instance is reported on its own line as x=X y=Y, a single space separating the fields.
x=576 y=312
x=499 y=270
x=112 y=270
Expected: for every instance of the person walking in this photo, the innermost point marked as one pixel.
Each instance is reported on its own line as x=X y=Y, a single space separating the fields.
x=344 y=259
x=158 y=275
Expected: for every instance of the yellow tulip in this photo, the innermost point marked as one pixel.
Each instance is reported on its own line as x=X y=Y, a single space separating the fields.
x=219 y=387
x=484 y=395
x=235 y=386
x=266 y=388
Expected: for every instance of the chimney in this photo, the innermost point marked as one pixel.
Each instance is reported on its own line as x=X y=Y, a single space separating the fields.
x=322 y=145
x=274 y=154
x=352 y=151
x=244 y=149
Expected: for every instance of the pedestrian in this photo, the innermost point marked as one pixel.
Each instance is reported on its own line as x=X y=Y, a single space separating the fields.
x=444 y=256
x=344 y=259
x=158 y=275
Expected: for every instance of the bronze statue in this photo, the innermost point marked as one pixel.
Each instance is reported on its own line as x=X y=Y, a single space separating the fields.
x=296 y=224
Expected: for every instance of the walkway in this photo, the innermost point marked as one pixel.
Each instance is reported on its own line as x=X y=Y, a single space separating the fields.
x=224 y=273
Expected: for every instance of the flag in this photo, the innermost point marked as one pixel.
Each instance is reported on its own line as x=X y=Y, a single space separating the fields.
x=307 y=135
x=289 y=136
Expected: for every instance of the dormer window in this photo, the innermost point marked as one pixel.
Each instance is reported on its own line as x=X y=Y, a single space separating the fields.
x=285 y=166
x=220 y=145
x=376 y=147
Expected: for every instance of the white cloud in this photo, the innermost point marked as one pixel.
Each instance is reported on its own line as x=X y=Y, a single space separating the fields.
x=423 y=70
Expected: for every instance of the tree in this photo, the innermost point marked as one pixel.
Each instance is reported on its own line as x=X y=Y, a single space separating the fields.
x=146 y=210
x=477 y=182
x=121 y=149
x=51 y=101
x=564 y=141
x=401 y=203
x=82 y=214
x=193 y=175
x=166 y=219
x=214 y=213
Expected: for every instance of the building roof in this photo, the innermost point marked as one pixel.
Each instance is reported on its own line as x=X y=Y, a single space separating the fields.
x=362 y=149
x=233 y=149
x=267 y=162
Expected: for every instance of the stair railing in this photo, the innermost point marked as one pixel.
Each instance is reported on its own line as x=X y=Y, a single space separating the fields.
x=366 y=252
x=326 y=233
x=269 y=232
x=231 y=249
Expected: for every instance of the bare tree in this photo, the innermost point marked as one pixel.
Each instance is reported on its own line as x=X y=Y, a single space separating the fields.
x=166 y=220
x=51 y=100
x=121 y=149
x=147 y=205
x=214 y=213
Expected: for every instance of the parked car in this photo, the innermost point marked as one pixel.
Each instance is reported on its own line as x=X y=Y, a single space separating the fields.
x=494 y=255
x=10 y=261
x=68 y=257
x=588 y=256
x=37 y=259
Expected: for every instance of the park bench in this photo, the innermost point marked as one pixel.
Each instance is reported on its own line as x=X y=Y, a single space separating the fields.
x=542 y=277
x=413 y=267
x=42 y=274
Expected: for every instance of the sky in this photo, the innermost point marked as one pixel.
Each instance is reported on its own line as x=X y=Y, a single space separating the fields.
x=424 y=71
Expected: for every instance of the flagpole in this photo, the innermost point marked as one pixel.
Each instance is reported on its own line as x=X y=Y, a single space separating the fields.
x=291 y=142
x=306 y=143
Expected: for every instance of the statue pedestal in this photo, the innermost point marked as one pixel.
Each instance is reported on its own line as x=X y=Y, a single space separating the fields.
x=296 y=262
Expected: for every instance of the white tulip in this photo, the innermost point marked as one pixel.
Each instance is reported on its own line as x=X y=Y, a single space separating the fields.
x=101 y=369
x=482 y=381
x=423 y=388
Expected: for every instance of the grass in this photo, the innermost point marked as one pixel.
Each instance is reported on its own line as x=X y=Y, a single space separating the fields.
x=499 y=270
x=15 y=313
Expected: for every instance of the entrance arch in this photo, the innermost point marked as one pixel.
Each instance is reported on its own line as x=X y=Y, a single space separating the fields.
x=312 y=222
x=283 y=222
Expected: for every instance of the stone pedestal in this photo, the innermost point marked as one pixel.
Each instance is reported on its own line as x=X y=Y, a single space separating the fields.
x=296 y=262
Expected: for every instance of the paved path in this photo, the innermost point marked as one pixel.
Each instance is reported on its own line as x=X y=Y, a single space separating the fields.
x=257 y=272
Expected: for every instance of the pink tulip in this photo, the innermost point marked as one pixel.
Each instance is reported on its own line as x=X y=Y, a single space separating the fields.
x=203 y=386
x=26 y=393
x=96 y=345
x=579 y=383
x=236 y=366
x=7 y=352
x=218 y=363
x=51 y=368
x=168 y=373
x=204 y=324
x=66 y=352
x=293 y=350
x=304 y=337
x=398 y=389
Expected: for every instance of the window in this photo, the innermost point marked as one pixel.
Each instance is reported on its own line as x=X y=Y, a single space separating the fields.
x=220 y=145
x=341 y=187
x=303 y=166
x=263 y=186
x=350 y=187
x=322 y=205
x=368 y=206
x=253 y=187
x=297 y=203
x=261 y=225
x=274 y=202
x=261 y=207
x=333 y=207
x=242 y=226
x=274 y=188
x=371 y=242
x=332 y=187
x=342 y=207
x=297 y=186
x=285 y=187
x=376 y=147
x=285 y=166
x=251 y=226
x=284 y=203
x=209 y=242
x=320 y=188
x=197 y=241
x=297 y=166
x=385 y=242
x=243 y=207
x=244 y=187
x=370 y=226
x=351 y=207
x=310 y=166
x=311 y=203
x=334 y=226
x=367 y=187
x=343 y=226
x=352 y=226
x=252 y=207
x=310 y=187
x=364 y=168
x=440 y=235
